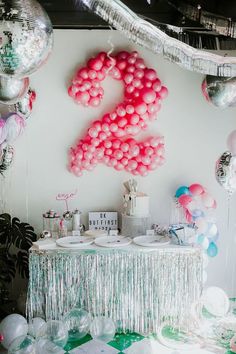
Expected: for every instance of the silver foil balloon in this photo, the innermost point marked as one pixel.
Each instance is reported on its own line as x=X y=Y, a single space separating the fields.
x=220 y=91
x=152 y=38
x=225 y=172
x=6 y=158
x=12 y=90
x=26 y=37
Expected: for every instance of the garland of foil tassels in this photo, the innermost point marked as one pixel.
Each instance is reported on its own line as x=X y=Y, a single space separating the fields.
x=150 y=37
x=138 y=290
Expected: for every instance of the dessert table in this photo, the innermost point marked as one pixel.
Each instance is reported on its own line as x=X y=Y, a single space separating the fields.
x=138 y=287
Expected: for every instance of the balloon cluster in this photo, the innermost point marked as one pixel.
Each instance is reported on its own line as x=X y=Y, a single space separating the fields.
x=12 y=125
x=225 y=170
x=198 y=204
x=110 y=139
x=39 y=336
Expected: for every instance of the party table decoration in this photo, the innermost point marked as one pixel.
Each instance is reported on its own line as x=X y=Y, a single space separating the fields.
x=110 y=140
x=197 y=204
x=138 y=288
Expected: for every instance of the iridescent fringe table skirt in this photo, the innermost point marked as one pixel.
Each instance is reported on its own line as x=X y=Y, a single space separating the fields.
x=138 y=289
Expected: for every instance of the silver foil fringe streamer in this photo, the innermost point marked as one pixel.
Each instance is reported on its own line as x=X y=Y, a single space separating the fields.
x=152 y=38
x=138 y=290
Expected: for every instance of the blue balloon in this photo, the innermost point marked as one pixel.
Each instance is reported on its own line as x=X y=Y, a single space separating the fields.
x=200 y=238
x=212 y=250
x=182 y=190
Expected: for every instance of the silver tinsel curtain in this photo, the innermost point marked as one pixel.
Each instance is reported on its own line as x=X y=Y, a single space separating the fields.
x=139 y=290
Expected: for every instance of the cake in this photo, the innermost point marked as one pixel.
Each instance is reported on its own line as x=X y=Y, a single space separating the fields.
x=136 y=204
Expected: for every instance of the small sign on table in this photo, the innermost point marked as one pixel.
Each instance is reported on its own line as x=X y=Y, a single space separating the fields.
x=103 y=220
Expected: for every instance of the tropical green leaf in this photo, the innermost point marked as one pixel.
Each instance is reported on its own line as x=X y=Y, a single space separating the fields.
x=22 y=234
x=7 y=266
x=22 y=264
x=5 y=229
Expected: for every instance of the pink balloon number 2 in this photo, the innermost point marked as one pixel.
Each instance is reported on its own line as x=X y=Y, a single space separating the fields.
x=110 y=140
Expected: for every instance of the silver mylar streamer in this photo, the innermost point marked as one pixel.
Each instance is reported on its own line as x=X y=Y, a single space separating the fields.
x=220 y=91
x=225 y=172
x=12 y=90
x=150 y=37
x=139 y=290
x=26 y=37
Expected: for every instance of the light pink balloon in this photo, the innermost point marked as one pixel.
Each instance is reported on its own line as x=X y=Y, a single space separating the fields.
x=207 y=200
x=13 y=127
x=231 y=142
x=3 y=131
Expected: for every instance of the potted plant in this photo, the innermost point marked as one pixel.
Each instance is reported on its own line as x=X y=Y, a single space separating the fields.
x=15 y=240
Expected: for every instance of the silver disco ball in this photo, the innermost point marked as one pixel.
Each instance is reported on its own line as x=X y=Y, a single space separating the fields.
x=13 y=90
x=26 y=37
x=220 y=91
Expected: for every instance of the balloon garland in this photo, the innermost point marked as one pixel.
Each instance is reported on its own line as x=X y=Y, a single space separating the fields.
x=110 y=139
x=197 y=203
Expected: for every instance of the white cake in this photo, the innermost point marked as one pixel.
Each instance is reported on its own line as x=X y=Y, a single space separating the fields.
x=136 y=205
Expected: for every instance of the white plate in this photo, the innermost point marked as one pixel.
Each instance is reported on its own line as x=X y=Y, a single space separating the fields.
x=151 y=241
x=113 y=241
x=74 y=241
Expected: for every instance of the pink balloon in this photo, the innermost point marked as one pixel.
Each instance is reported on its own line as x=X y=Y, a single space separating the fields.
x=231 y=142
x=13 y=127
x=184 y=200
x=148 y=95
x=196 y=189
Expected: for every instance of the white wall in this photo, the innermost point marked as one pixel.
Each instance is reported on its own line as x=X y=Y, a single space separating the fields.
x=195 y=135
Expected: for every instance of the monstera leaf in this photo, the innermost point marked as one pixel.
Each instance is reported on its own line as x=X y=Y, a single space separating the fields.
x=22 y=234
x=23 y=264
x=7 y=266
x=5 y=229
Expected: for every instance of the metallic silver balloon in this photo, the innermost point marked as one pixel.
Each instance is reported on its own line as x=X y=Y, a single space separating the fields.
x=13 y=90
x=6 y=158
x=225 y=172
x=26 y=37
x=220 y=91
